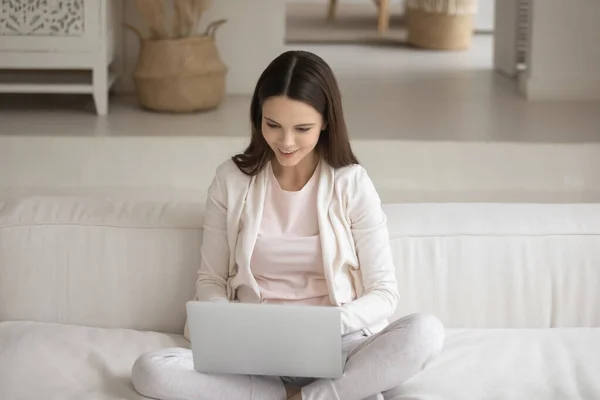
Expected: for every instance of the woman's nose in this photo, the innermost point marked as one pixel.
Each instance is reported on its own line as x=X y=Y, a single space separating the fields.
x=287 y=138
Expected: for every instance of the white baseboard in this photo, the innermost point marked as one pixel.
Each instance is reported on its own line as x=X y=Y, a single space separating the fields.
x=579 y=88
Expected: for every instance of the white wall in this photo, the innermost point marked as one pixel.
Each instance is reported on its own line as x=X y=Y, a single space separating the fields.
x=564 y=58
x=505 y=37
x=254 y=27
x=485 y=18
x=252 y=37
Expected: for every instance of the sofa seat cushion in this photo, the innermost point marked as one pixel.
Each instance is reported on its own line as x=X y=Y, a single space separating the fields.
x=515 y=364
x=50 y=361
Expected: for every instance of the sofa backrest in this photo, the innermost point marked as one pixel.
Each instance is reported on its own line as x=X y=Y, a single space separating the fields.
x=99 y=262
x=132 y=264
x=498 y=265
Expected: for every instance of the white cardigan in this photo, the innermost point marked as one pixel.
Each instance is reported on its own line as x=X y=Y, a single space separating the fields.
x=357 y=257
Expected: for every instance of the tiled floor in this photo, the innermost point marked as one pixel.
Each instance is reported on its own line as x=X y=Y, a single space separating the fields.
x=389 y=93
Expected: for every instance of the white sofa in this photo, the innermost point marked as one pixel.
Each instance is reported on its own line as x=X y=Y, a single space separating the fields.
x=88 y=284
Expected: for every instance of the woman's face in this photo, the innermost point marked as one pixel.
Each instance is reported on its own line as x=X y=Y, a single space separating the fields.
x=291 y=128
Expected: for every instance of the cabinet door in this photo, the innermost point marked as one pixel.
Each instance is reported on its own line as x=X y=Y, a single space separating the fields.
x=50 y=25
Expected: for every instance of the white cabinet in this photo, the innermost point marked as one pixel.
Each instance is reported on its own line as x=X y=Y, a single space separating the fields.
x=59 y=46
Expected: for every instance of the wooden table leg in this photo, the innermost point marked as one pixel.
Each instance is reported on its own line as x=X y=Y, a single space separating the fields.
x=384 y=15
x=332 y=10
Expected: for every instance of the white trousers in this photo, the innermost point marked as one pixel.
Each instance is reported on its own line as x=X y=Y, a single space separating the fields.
x=373 y=365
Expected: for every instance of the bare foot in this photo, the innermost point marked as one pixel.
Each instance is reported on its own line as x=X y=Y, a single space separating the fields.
x=297 y=396
x=293 y=392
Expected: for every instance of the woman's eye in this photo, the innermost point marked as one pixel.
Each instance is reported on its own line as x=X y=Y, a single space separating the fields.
x=270 y=125
x=303 y=129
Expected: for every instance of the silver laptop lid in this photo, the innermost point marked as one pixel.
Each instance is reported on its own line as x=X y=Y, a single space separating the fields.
x=261 y=339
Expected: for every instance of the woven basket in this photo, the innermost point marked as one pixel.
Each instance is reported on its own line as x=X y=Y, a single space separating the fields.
x=180 y=75
x=440 y=24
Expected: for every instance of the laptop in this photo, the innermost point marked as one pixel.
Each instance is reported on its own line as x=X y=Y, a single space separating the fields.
x=266 y=339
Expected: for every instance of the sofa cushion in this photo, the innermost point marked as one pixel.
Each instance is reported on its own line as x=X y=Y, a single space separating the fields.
x=515 y=364
x=53 y=361
x=50 y=361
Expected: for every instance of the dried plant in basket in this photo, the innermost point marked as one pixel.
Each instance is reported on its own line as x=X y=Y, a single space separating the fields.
x=187 y=15
x=178 y=68
x=154 y=15
x=184 y=22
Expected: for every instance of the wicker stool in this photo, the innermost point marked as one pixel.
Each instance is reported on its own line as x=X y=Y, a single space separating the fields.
x=441 y=24
x=383 y=7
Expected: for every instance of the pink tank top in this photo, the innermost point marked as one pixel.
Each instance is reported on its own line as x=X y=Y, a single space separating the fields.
x=286 y=261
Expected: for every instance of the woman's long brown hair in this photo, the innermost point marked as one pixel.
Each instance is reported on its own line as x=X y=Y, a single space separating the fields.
x=305 y=77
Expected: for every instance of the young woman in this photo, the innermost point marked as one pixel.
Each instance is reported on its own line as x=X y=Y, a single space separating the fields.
x=295 y=219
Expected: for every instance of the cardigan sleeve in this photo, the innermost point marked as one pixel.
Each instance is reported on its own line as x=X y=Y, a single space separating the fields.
x=214 y=263
x=211 y=284
x=371 y=239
